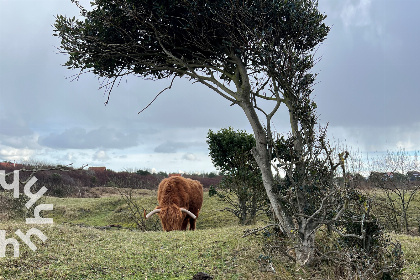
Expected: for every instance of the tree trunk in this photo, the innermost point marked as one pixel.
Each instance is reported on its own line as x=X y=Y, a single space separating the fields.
x=305 y=251
x=242 y=205
x=262 y=157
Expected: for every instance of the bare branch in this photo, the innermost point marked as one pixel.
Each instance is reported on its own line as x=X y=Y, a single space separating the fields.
x=169 y=87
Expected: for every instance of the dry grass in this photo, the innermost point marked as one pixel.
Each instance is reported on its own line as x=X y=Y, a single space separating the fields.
x=411 y=248
x=109 y=191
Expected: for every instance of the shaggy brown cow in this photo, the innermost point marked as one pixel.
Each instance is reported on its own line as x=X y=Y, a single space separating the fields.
x=180 y=200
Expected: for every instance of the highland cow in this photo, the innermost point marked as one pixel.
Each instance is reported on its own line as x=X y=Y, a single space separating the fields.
x=180 y=201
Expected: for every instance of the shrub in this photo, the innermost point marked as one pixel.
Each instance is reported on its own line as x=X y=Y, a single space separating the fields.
x=10 y=207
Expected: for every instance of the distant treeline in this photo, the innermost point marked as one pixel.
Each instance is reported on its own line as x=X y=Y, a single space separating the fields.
x=65 y=181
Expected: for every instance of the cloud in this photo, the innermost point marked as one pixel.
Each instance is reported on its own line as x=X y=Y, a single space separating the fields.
x=190 y=157
x=356 y=13
x=11 y=126
x=79 y=138
x=20 y=142
x=170 y=147
x=16 y=154
x=68 y=157
x=100 y=156
x=379 y=138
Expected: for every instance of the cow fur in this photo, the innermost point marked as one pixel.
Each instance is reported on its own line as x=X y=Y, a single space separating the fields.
x=175 y=193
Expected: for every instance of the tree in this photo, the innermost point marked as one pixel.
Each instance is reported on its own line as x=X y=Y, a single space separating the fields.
x=322 y=197
x=249 y=52
x=241 y=185
x=310 y=189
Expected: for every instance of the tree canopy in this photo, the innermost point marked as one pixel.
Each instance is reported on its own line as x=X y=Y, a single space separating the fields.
x=210 y=41
x=231 y=150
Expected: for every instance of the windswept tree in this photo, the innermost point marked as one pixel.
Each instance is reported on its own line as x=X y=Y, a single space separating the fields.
x=256 y=54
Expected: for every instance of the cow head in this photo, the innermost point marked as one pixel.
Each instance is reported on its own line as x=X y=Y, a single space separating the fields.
x=171 y=217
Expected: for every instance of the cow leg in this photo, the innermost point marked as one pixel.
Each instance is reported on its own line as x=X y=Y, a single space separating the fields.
x=192 y=224
x=185 y=223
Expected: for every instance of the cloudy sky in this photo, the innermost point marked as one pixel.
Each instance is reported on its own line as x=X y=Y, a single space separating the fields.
x=368 y=92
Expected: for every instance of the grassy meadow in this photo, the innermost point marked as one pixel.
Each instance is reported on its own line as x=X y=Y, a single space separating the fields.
x=80 y=246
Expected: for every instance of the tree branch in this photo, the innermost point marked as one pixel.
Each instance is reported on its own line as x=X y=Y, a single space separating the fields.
x=192 y=73
x=169 y=87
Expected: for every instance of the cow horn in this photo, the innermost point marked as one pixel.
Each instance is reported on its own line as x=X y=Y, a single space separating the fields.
x=189 y=213
x=153 y=212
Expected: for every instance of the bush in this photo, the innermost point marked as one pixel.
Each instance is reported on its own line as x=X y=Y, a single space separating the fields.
x=355 y=247
x=362 y=247
x=242 y=186
x=10 y=207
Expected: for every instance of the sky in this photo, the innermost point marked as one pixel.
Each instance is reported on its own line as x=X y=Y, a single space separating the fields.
x=367 y=92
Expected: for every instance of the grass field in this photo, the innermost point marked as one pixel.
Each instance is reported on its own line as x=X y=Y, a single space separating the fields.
x=413 y=211
x=79 y=248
